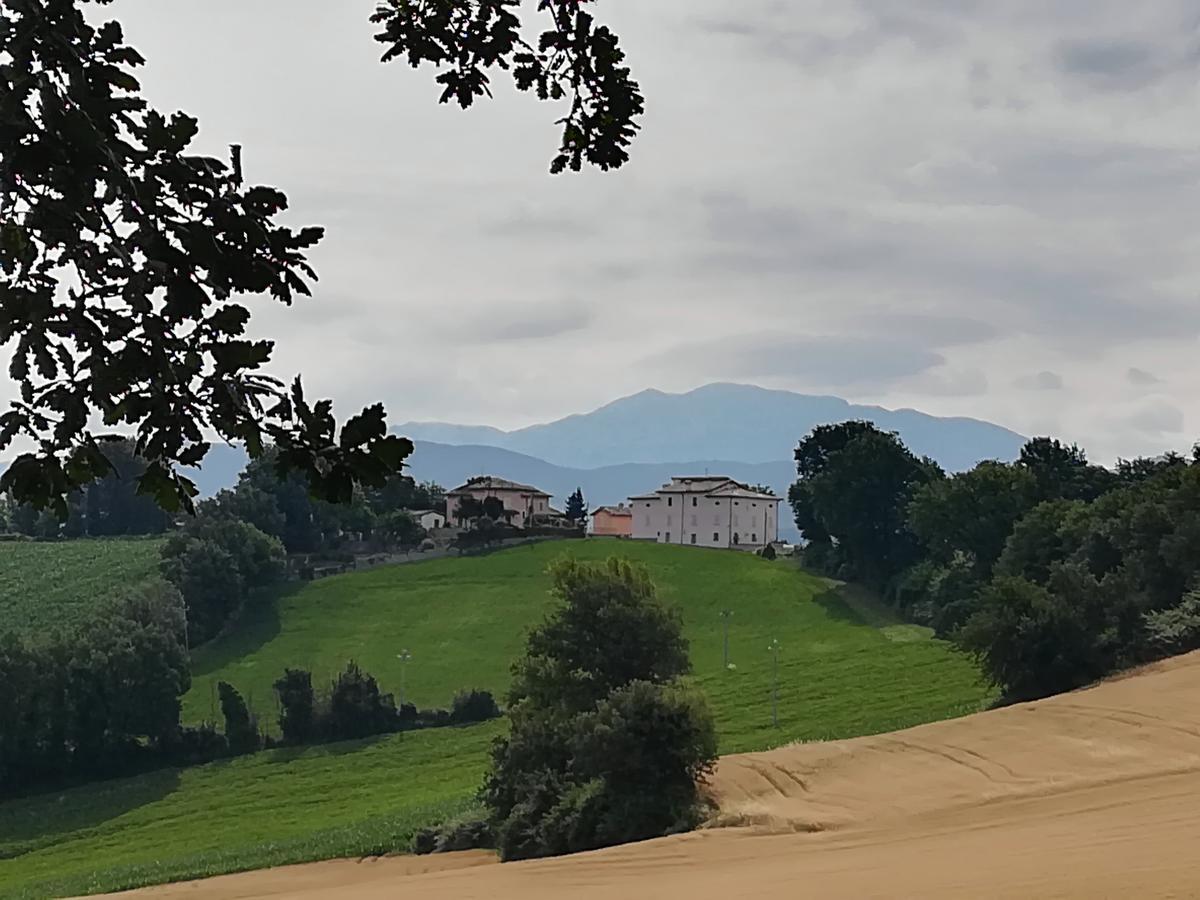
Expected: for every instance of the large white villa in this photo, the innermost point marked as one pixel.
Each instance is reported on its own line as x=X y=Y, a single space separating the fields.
x=707 y=511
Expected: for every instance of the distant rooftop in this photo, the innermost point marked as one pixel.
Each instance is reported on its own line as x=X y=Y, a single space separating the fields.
x=492 y=483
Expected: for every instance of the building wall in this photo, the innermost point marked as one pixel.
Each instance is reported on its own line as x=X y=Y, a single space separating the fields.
x=606 y=524
x=715 y=522
x=433 y=520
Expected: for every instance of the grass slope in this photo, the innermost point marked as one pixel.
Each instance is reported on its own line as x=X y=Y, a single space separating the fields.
x=57 y=583
x=845 y=668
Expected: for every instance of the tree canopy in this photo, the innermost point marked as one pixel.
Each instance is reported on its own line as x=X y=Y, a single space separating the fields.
x=125 y=256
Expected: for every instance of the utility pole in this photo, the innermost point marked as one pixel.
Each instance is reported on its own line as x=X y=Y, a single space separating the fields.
x=774 y=648
x=726 y=615
x=404 y=656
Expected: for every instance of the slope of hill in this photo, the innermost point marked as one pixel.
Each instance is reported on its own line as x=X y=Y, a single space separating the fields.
x=722 y=421
x=463 y=620
x=1085 y=795
x=53 y=584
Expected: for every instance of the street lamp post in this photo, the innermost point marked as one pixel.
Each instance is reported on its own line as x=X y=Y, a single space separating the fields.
x=774 y=648
x=726 y=615
x=404 y=656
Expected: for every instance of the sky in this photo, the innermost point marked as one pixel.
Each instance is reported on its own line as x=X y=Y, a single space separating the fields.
x=969 y=208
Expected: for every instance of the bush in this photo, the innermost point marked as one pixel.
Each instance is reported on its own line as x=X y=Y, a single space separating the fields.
x=768 y=552
x=473 y=706
x=1175 y=630
x=297 y=706
x=241 y=730
x=605 y=745
x=357 y=708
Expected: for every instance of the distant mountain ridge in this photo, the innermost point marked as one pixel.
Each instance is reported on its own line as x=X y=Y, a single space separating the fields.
x=735 y=422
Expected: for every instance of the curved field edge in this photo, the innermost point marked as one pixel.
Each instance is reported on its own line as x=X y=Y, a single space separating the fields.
x=841 y=674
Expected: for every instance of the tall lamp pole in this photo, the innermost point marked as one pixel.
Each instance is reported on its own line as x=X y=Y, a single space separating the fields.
x=726 y=615
x=404 y=656
x=774 y=648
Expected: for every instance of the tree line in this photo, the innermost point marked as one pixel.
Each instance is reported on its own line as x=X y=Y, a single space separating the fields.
x=1052 y=571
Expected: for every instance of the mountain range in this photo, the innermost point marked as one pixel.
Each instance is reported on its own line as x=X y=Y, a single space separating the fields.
x=721 y=421
x=635 y=444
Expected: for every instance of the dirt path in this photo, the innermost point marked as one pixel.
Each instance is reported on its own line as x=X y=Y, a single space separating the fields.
x=1089 y=795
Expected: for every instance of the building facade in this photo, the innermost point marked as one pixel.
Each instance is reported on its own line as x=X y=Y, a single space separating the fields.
x=429 y=519
x=707 y=511
x=523 y=504
x=613 y=521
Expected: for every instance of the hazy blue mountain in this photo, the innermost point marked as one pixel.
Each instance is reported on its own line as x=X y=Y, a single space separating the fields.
x=722 y=421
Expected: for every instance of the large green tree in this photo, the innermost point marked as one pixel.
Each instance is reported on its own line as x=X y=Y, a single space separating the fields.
x=125 y=257
x=606 y=745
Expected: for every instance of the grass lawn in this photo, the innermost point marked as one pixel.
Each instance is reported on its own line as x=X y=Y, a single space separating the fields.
x=845 y=668
x=57 y=583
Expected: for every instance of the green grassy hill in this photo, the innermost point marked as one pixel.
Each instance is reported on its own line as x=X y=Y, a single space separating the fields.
x=845 y=669
x=55 y=583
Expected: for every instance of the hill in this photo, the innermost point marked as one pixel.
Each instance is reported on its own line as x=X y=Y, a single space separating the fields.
x=734 y=422
x=43 y=585
x=843 y=671
x=1085 y=795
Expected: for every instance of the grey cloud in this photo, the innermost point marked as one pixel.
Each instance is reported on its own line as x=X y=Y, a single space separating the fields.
x=1122 y=63
x=1160 y=417
x=818 y=360
x=1140 y=377
x=1042 y=381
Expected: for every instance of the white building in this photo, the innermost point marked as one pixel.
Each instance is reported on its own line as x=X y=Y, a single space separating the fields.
x=707 y=511
x=429 y=519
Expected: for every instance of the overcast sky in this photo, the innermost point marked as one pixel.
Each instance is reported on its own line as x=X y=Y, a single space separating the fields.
x=970 y=208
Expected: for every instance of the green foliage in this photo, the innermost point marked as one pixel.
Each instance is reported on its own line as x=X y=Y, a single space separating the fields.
x=219 y=565
x=473 y=706
x=971 y=513
x=160 y=243
x=576 y=511
x=79 y=703
x=400 y=527
x=574 y=58
x=357 y=708
x=468 y=831
x=241 y=731
x=1177 y=629
x=297 y=706
x=854 y=489
x=605 y=747
x=1062 y=472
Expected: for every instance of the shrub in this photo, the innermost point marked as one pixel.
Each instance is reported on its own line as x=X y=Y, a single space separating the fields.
x=241 y=730
x=424 y=840
x=768 y=552
x=605 y=746
x=357 y=708
x=1175 y=630
x=473 y=706
x=297 y=713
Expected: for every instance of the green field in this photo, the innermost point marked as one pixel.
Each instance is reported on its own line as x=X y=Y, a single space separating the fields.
x=57 y=583
x=845 y=668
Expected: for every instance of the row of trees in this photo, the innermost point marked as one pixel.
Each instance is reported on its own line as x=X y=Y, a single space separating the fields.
x=1051 y=570
x=98 y=700
x=108 y=506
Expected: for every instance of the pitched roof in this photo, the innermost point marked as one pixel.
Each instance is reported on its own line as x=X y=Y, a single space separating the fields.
x=694 y=484
x=741 y=492
x=613 y=510
x=492 y=483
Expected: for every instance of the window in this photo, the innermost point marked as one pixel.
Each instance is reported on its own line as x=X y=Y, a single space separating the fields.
x=668 y=537
x=754 y=538
x=668 y=518
x=716 y=520
x=735 y=537
x=716 y=537
x=693 y=501
x=735 y=521
x=735 y=503
x=694 y=518
x=670 y=500
x=755 y=505
x=693 y=537
x=718 y=503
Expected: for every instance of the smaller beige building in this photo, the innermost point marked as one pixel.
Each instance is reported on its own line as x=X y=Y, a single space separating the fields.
x=429 y=519
x=613 y=521
x=523 y=504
